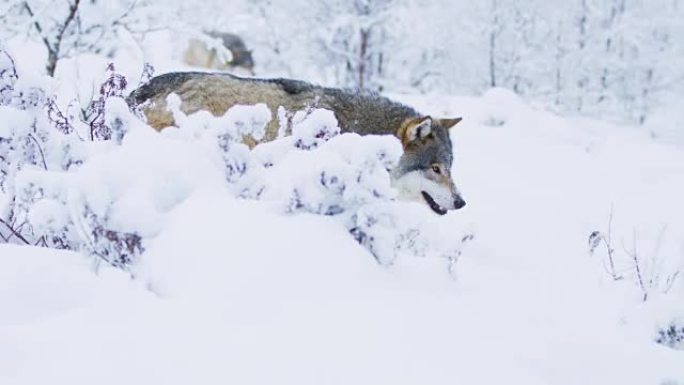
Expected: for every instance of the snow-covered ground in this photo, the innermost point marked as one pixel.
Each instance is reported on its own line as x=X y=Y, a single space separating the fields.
x=235 y=291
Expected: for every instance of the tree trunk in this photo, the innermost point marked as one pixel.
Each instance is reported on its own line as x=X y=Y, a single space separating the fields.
x=492 y=44
x=51 y=63
x=363 y=53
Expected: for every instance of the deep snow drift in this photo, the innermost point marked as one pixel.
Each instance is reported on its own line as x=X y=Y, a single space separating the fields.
x=239 y=290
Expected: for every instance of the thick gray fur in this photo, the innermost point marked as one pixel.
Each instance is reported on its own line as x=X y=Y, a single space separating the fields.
x=359 y=111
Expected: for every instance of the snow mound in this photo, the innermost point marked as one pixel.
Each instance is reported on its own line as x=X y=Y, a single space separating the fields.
x=502 y=105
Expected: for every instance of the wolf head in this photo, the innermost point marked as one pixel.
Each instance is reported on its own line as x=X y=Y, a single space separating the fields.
x=424 y=170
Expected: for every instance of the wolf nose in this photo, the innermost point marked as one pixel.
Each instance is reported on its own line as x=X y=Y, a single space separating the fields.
x=459 y=203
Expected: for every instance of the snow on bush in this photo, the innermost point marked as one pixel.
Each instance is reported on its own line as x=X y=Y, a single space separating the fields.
x=41 y=146
x=223 y=135
x=672 y=336
x=102 y=182
x=8 y=77
x=318 y=170
x=388 y=229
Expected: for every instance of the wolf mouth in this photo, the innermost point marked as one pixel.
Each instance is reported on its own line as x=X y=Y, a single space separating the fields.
x=433 y=205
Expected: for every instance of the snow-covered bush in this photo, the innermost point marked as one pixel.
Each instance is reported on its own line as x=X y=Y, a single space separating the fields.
x=389 y=229
x=320 y=171
x=101 y=181
x=337 y=176
x=41 y=145
x=672 y=336
x=23 y=134
x=8 y=78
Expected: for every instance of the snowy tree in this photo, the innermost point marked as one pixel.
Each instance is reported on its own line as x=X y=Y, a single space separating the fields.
x=68 y=28
x=619 y=59
x=349 y=41
x=356 y=37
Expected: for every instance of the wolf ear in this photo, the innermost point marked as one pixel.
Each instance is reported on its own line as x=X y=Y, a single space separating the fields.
x=416 y=129
x=448 y=123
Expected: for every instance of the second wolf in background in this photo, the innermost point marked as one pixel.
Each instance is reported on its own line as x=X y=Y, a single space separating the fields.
x=424 y=169
x=198 y=54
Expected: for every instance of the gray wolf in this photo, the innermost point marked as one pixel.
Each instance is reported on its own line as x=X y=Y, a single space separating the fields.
x=424 y=169
x=198 y=54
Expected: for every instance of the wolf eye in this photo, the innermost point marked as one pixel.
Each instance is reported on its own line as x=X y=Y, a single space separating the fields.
x=436 y=169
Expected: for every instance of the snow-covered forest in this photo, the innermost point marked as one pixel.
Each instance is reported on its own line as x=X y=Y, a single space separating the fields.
x=131 y=255
x=617 y=58
x=620 y=59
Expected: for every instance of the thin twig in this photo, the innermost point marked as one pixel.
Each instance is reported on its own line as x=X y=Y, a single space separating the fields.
x=634 y=253
x=670 y=282
x=41 y=240
x=654 y=279
x=608 y=243
x=73 y=8
x=40 y=149
x=36 y=24
x=12 y=63
x=15 y=233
